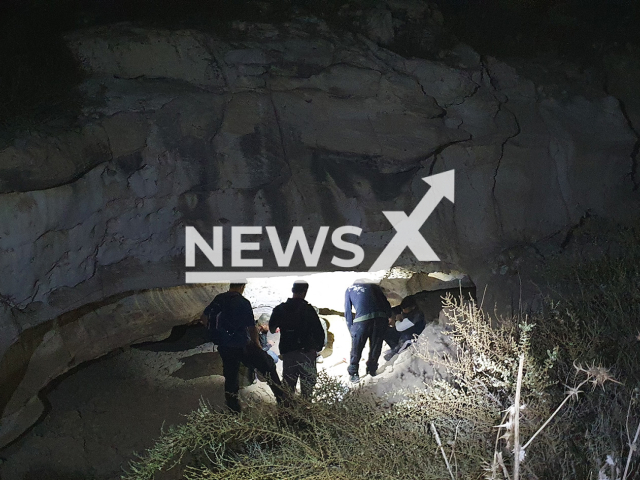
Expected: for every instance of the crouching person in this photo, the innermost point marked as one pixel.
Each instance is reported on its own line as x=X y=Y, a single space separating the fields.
x=301 y=338
x=402 y=332
x=231 y=326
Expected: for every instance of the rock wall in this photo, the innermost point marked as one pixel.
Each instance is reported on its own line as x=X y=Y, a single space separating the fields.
x=289 y=125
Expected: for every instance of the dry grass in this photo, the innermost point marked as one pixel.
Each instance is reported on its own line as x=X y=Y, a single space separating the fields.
x=446 y=430
x=324 y=439
x=554 y=396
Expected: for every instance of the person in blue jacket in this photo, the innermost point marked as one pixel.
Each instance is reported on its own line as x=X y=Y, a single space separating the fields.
x=370 y=322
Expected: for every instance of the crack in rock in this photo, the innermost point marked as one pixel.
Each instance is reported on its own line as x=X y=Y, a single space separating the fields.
x=501 y=105
x=463 y=98
x=636 y=148
x=633 y=173
x=573 y=228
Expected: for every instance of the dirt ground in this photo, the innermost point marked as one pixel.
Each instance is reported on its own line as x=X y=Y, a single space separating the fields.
x=104 y=411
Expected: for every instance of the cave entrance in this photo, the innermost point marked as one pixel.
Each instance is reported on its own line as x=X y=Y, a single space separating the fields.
x=199 y=359
x=326 y=289
x=326 y=293
x=154 y=384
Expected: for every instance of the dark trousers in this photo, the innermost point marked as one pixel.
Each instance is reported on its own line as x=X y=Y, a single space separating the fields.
x=300 y=364
x=396 y=340
x=252 y=356
x=373 y=330
x=392 y=337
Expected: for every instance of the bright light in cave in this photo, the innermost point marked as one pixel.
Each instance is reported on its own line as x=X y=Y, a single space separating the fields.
x=326 y=289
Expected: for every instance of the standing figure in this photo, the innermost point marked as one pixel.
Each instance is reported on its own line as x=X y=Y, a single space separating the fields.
x=301 y=338
x=230 y=323
x=369 y=323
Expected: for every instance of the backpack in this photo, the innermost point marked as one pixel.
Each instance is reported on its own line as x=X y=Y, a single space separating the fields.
x=220 y=328
x=297 y=329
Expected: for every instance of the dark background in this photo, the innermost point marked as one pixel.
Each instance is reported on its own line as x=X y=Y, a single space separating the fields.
x=39 y=77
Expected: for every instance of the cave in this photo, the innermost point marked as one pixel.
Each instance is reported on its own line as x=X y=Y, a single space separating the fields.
x=125 y=127
x=155 y=382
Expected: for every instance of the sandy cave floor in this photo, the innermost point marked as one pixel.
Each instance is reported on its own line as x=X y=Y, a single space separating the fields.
x=110 y=408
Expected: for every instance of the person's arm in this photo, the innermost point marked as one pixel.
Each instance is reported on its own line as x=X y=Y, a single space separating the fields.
x=347 y=308
x=386 y=306
x=250 y=322
x=253 y=335
x=274 y=321
x=204 y=318
x=316 y=330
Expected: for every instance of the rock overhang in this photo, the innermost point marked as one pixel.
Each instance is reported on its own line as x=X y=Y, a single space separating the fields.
x=191 y=129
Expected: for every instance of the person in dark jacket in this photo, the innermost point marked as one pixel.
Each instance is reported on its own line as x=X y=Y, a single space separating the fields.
x=369 y=323
x=301 y=338
x=240 y=343
x=403 y=331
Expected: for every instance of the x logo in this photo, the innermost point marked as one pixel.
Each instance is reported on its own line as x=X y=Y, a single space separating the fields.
x=408 y=227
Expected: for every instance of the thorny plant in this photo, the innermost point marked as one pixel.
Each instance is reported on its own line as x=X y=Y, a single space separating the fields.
x=593 y=316
x=596 y=375
x=446 y=430
x=480 y=382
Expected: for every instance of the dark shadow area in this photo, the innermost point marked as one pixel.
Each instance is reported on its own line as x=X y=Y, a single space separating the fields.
x=199 y=365
x=38 y=74
x=183 y=337
x=39 y=77
x=44 y=393
x=577 y=29
x=430 y=302
x=51 y=474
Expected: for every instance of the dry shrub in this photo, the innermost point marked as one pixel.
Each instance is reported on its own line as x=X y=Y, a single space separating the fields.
x=345 y=433
x=469 y=417
x=340 y=434
x=481 y=385
x=593 y=316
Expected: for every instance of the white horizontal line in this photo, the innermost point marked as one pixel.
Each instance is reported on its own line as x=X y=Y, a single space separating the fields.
x=225 y=277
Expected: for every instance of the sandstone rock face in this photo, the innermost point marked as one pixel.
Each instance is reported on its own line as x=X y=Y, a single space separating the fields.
x=284 y=126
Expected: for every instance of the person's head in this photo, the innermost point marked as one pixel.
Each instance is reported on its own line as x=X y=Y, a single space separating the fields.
x=408 y=304
x=263 y=323
x=237 y=287
x=300 y=288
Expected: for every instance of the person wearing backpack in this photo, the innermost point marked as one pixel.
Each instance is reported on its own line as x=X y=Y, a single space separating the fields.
x=231 y=326
x=301 y=338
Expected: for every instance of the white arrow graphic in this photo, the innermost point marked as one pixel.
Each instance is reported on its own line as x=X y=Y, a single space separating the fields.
x=408 y=227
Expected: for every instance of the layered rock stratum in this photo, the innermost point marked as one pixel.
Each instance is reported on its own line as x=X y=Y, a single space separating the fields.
x=287 y=125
